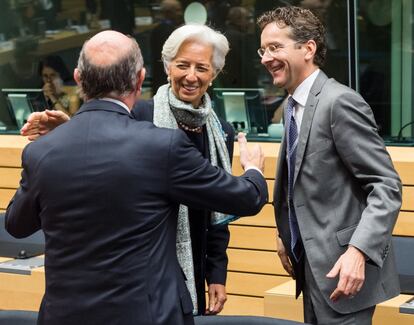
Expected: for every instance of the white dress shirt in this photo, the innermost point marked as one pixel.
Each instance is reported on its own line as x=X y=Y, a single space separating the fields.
x=300 y=95
x=116 y=101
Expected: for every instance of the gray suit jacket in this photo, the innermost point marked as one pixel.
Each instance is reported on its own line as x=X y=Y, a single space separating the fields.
x=346 y=191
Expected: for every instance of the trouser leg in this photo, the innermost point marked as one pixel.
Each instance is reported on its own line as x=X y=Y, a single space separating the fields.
x=317 y=311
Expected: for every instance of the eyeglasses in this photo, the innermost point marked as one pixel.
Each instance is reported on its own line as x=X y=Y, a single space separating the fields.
x=273 y=49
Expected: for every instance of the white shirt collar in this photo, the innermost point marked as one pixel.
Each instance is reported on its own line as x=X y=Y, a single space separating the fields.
x=301 y=93
x=116 y=101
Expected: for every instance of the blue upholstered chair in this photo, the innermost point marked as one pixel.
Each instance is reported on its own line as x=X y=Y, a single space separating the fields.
x=18 y=317
x=403 y=249
x=241 y=320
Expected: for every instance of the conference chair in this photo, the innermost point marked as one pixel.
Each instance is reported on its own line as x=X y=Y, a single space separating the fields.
x=241 y=320
x=403 y=249
x=18 y=317
x=20 y=248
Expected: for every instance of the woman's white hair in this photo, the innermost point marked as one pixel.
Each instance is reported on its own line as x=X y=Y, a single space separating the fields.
x=198 y=33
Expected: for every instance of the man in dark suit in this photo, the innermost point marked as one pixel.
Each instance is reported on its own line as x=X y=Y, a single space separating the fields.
x=337 y=195
x=105 y=190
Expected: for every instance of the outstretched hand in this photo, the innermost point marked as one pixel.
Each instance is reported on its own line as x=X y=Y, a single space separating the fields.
x=41 y=123
x=250 y=157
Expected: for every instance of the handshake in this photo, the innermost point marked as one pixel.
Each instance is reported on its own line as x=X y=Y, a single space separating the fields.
x=41 y=123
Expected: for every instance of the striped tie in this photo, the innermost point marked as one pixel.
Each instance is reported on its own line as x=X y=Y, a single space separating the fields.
x=292 y=143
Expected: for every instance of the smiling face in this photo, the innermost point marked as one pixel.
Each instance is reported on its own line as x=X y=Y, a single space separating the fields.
x=191 y=71
x=292 y=63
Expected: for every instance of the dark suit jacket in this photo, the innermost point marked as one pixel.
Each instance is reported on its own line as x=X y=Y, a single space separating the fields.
x=105 y=190
x=346 y=192
x=209 y=243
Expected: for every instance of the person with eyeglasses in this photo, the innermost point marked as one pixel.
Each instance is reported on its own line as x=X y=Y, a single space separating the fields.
x=337 y=195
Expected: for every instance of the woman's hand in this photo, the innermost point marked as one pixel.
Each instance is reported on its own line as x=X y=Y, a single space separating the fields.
x=216 y=298
x=41 y=123
x=49 y=91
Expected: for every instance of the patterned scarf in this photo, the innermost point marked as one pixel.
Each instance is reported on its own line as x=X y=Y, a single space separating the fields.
x=167 y=111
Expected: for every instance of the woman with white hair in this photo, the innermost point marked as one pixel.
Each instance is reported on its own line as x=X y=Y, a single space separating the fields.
x=193 y=55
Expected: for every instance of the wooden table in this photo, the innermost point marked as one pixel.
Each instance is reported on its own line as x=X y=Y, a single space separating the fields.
x=21 y=292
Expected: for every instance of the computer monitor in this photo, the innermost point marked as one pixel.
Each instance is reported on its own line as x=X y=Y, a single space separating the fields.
x=22 y=102
x=241 y=107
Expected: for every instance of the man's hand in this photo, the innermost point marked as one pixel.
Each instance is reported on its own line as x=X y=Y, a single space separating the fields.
x=216 y=298
x=351 y=269
x=250 y=158
x=284 y=258
x=41 y=123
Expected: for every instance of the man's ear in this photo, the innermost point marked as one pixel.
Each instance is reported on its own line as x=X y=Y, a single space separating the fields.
x=76 y=76
x=140 y=79
x=310 y=47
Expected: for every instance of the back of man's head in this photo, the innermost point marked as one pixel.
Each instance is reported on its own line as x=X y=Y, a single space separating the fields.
x=109 y=65
x=304 y=26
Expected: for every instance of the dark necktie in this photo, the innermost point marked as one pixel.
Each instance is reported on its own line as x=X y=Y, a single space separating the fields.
x=292 y=143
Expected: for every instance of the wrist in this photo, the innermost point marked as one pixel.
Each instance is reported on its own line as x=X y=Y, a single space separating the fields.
x=252 y=166
x=359 y=251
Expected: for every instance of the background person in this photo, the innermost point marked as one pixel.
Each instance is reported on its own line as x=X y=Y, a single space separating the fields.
x=107 y=200
x=54 y=76
x=243 y=43
x=172 y=17
x=337 y=194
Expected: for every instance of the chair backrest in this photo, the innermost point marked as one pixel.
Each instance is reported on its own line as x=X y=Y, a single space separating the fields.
x=241 y=320
x=20 y=248
x=403 y=249
x=18 y=317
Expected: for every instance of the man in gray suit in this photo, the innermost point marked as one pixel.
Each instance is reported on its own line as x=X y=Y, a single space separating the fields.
x=337 y=195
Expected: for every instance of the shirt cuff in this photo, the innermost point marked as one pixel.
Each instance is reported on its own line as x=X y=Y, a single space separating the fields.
x=255 y=168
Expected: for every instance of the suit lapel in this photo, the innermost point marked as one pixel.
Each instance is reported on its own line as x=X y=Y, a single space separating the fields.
x=308 y=114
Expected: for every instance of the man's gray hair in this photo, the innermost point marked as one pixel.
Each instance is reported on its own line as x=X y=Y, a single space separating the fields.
x=198 y=33
x=116 y=79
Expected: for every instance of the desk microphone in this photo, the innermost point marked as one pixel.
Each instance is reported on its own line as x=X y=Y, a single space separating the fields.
x=22 y=254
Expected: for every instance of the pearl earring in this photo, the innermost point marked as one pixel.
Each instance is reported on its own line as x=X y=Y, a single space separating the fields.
x=210 y=84
x=169 y=79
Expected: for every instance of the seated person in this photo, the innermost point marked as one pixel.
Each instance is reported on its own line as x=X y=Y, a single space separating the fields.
x=55 y=77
